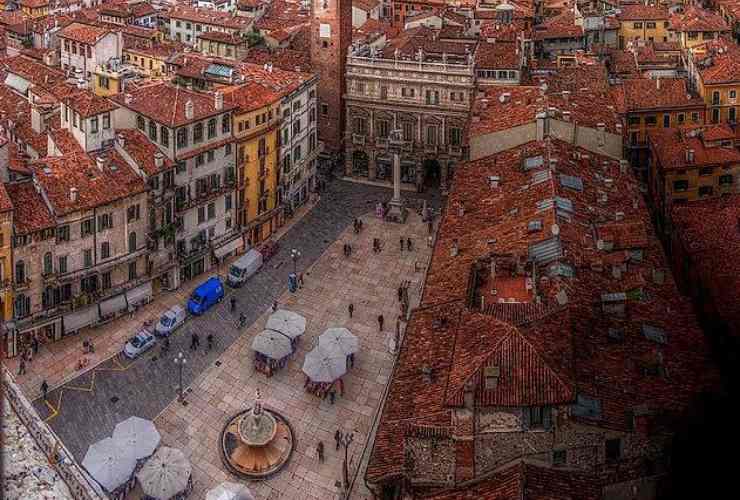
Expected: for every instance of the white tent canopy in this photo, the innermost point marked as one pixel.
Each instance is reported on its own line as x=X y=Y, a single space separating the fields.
x=288 y=323
x=272 y=344
x=326 y=366
x=138 y=434
x=339 y=339
x=166 y=474
x=229 y=491
x=109 y=463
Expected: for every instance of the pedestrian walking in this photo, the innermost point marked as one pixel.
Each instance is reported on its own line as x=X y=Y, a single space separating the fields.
x=337 y=437
x=90 y=346
x=274 y=306
x=22 y=367
x=35 y=344
x=402 y=240
x=209 y=341
x=408 y=244
x=429 y=241
x=44 y=389
x=193 y=341
x=380 y=322
x=242 y=320
x=400 y=293
x=332 y=396
x=197 y=340
x=351 y=359
x=351 y=309
x=233 y=304
x=300 y=280
x=430 y=226
x=320 y=451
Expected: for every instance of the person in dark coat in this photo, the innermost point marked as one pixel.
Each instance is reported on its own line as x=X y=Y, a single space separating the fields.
x=45 y=389
x=320 y=451
x=380 y=322
x=351 y=309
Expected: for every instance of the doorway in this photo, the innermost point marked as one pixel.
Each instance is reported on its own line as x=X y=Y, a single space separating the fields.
x=432 y=173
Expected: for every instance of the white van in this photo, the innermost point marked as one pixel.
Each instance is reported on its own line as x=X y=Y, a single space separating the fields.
x=244 y=267
x=170 y=321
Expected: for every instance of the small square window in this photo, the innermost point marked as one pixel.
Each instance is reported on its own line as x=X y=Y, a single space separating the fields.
x=559 y=457
x=613 y=449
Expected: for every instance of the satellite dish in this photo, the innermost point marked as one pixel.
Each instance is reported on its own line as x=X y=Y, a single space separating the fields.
x=555 y=229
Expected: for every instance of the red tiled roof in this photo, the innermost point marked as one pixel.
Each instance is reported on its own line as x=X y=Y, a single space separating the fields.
x=250 y=96
x=210 y=17
x=95 y=187
x=550 y=351
x=696 y=19
x=143 y=152
x=30 y=212
x=220 y=36
x=34 y=4
x=83 y=33
x=147 y=101
x=562 y=26
x=724 y=67
x=500 y=55
x=670 y=146
x=88 y=104
x=644 y=94
x=641 y=12
x=709 y=236
x=284 y=59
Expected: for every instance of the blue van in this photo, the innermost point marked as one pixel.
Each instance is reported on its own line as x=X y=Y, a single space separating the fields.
x=207 y=294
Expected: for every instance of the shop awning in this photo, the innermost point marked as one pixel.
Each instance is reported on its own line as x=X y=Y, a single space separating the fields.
x=17 y=83
x=80 y=318
x=227 y=247
x=113 y=305
x=140 y=294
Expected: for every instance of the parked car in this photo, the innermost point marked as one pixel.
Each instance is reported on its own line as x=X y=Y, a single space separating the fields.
x=244 y=267
x=206 y=295
x=170 y=321
x=139 y=344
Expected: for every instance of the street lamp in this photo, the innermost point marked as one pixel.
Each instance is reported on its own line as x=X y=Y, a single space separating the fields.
x=345 y=440
x=180 y=361
x=295 y=255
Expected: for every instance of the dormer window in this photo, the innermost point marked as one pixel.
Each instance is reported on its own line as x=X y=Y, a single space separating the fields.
x=491 y=377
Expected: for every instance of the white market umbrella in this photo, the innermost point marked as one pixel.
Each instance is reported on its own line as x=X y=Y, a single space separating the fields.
x=322 y=365
x=229 y=491
x=166 y=474
x=339 y=339
x=272 y=344
x=288 y=323
x=109 y=463
x=138 y=434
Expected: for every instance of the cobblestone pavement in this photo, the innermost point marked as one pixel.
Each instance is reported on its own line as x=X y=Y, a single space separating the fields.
x=367 y=280
x=87 y=408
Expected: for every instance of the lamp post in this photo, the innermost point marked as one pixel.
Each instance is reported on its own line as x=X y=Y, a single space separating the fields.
x=180 y=361
x=345 y=440
x=295 y=255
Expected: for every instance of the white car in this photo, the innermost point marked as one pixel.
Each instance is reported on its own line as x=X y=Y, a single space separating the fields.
x=170 y=321
x=139 y=344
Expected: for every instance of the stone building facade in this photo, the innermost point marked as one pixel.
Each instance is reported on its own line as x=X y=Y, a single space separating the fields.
x=429 y=102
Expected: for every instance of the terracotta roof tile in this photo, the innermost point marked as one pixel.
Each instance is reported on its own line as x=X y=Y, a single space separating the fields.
x=147 y=101
x=83 y=33
x=30 y=212
x=641 y=12
x=670 y=146
x=696 y=19
x=143 y=152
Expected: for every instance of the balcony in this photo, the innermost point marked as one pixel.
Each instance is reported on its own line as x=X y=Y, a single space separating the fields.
x=381 y=142
x=49 y=276
x=430 y=148
x=455 y=150
x=158 y=197
x=358 y=139
x=184 y=204
x=20 y=286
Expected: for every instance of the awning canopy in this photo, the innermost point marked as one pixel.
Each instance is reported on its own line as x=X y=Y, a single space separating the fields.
x=80 y=318
x=227 y=247
x=113 y=305
x=17 y=83
x=140 y=294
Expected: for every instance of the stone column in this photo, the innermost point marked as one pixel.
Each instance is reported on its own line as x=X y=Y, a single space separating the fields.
x=396 y=178
x=443 y=173
x=348 y=162
x=372 y=166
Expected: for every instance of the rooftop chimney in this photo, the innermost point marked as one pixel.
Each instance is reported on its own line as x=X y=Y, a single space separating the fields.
x=158 y=159
x=689 y=156
x=121 y=140
x=189 y=110
x=100 y=163
x=219 y=100
x=657 y=83
x=127 y=98
x=73 y=194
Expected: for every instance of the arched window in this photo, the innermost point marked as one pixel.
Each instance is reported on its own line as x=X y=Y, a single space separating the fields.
x=48 y=265
x=211 y=128
x=22 y=306
x=20 y=272
x=132 y=242
x=48 y=298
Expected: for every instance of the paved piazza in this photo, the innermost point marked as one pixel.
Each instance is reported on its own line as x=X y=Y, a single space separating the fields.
x=367 y=280
x=83 y=407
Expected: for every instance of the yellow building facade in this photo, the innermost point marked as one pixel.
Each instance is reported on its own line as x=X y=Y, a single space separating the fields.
x=150 y=61
x=105 y=82
x=6 y=256
x=643 y=22
x=35 y=8
x=256 y=124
